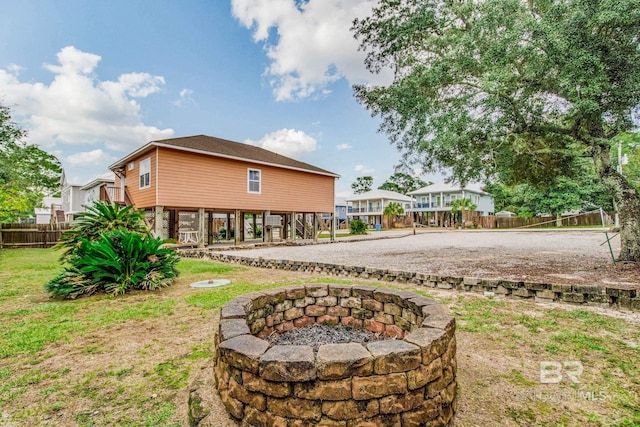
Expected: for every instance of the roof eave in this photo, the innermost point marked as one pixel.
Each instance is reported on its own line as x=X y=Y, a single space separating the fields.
x=122 y=162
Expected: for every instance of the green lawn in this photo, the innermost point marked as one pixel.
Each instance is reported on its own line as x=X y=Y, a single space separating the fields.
x=130 y=360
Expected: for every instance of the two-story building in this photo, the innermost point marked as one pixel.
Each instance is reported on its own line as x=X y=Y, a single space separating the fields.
x=75 y=197
x=369 y=206
x=194 y=187
x=91 y=190
x=432 y=204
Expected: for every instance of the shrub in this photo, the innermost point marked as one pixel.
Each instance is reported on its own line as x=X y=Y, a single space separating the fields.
x=358 y=227
x=101 y=217
x=223 y=232
x=115 y=263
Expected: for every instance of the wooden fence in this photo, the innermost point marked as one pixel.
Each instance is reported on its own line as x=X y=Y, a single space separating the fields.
x=30 y=235
x=581 y=220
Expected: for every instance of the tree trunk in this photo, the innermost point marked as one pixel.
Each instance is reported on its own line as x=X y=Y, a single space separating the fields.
x=628 y=201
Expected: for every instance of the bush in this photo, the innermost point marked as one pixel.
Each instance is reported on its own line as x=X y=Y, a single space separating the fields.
x=223 y=232
x=358 y=227
x=101 y=217
x=116 y=262
x=110 y=249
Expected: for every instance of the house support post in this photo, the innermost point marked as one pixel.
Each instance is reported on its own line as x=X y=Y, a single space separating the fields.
x=305 y=230
x=266 y=237
x=157 y=223
x=293 y=224
x=202 y=230
x=316 y=227
x=238 y=220
x=334 y=219
x=228 y=227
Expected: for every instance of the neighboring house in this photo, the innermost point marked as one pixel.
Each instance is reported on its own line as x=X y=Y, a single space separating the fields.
x=75 y=197
x=341 y=212
x=91 y=191
x=45 y=214
x=369 y=207
x=72 y=200
x=432 y=204
x=211 y=177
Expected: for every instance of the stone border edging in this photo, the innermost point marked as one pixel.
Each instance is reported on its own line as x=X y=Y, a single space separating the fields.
x=408 y=381
x=594 y=295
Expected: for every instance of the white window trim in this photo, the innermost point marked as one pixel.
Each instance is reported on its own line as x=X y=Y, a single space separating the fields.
x=249 y=170
x=148 y=172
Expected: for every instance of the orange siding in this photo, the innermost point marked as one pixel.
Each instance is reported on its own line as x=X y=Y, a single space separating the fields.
x=190 y=180
x=143 y=198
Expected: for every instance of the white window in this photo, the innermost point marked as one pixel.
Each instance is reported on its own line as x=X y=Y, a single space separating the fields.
x=145 y=173
x=130 y=166
x=253 y=181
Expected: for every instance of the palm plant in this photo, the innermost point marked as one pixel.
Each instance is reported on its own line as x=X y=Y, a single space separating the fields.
x=459 y=206
x=116 y=262
x=101 y=217
x=393 y=210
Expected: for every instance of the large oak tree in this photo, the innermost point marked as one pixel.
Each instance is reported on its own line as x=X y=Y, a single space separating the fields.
x=519 y=89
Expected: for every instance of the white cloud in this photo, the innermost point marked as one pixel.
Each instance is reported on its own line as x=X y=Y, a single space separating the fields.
x=341 y=147
x=185 y=98
x=362 y=169
x=309 y=43
x=344 y=194
x=14 y=69
x=78 y=108
x=93 y=157
x=288 y=142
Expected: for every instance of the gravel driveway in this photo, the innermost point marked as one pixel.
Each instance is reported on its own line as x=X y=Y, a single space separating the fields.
x=553 y=256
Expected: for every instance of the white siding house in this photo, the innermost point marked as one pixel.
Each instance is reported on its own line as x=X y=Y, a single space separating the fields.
x=433 y=202
x=369 y=207
x=76 y=197
x=91 y=191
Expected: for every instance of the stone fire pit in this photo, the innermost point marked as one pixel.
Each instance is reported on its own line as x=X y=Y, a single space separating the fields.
x=407 y=381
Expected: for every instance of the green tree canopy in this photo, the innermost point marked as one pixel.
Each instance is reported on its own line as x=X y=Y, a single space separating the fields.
x=583 y=192
x=27 y=173
x=510 y=89
x=362 y=184
x=402 y=183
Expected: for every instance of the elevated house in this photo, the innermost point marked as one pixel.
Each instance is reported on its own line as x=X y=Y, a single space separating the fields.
x=200 y=189
x=75 y=197
x=72 y=200
x=91 y=191
x=432 y=204
x=369 y=206
x=341 y=213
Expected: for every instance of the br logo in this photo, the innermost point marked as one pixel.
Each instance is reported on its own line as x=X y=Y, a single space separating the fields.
x=552 y=372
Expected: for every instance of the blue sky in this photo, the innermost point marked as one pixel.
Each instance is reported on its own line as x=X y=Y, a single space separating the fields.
x=94 y=80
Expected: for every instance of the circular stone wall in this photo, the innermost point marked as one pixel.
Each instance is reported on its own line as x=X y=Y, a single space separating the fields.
x=408 y=381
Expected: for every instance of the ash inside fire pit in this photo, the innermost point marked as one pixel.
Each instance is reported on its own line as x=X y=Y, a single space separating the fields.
x=316 y=335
